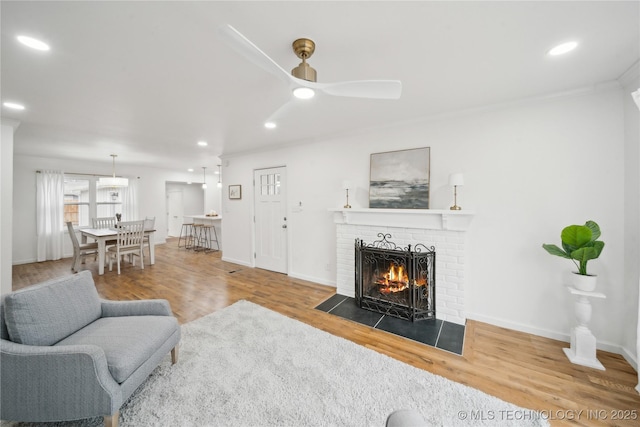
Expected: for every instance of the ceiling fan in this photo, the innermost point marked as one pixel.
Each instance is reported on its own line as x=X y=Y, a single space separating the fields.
x=302 y=79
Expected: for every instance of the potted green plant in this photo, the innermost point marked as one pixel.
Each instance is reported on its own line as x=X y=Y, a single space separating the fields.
x=580 y=244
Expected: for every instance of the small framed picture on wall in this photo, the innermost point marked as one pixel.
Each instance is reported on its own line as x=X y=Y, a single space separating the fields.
x=235 y=191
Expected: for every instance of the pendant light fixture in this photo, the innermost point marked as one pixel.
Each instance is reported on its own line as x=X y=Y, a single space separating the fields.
x=113 y=181
x=204 y=177
x=219 y=177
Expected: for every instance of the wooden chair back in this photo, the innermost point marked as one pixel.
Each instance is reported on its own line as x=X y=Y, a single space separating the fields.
x=150 y=223
x=74 y=238
x=130 y=234
x=104 y=222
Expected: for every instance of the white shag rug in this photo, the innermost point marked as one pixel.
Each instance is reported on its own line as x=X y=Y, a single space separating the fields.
x=249 y=366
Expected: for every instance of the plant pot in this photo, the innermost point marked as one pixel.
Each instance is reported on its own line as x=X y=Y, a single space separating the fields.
x=584 y=283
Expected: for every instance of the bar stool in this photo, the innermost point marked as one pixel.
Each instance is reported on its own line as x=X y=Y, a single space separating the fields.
x=208 y=239
x=186 y=233
x=196 y=237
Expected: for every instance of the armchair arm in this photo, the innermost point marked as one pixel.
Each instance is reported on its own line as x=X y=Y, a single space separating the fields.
x=150 y=307
x=43 y=383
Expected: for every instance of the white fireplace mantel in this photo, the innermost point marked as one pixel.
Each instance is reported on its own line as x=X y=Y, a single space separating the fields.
x=429 y=219
x=445 y=230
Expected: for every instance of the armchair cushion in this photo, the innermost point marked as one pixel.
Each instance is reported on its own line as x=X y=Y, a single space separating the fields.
x=49 y=312
x=148 y=307
x=127 y=342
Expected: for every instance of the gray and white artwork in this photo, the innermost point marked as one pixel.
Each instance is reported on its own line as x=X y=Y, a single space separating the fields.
x=400 y=179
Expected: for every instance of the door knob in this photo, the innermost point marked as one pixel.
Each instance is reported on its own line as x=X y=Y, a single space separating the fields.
x=284 y=226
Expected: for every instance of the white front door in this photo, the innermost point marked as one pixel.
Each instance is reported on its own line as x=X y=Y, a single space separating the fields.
x=175 y=213
x=271 y=219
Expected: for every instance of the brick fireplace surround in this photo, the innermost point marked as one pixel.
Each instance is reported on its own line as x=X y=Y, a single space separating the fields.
x=444 y=229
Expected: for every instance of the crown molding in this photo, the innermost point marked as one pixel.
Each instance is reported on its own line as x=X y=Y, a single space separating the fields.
x=630 y=75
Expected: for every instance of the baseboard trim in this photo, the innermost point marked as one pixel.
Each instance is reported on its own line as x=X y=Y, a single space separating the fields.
x=631 y=358
x=313 y=279
x=236 y=261
x=600 y=345
x=23 y=261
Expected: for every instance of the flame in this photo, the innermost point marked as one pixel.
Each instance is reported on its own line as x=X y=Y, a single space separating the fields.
x=395 y=280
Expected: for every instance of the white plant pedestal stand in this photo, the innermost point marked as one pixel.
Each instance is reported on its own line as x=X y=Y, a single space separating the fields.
x=583 y=343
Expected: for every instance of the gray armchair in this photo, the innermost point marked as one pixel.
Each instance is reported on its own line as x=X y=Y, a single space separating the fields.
x=67 y=354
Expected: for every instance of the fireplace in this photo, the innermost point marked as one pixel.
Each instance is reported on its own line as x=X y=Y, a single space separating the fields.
x=395 y=281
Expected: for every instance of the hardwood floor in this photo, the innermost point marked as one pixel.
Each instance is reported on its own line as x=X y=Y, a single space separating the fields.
x=527 y=370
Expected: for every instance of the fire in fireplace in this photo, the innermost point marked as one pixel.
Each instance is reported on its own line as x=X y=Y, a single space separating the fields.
x=395 y=281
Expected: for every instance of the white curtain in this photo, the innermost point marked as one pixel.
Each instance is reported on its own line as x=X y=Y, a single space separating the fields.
x=50 y=214
x=130 y=201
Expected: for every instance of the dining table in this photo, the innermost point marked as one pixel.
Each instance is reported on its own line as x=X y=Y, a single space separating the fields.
x=103 y=235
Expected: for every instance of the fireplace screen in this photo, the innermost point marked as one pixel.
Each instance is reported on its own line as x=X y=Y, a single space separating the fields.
x=394 y=281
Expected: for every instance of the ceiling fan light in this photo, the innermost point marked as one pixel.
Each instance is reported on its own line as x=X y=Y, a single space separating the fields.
x=303 y=93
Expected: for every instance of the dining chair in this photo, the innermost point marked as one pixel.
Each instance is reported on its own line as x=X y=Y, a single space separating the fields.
x=80 y=250
x=149 y=224
x=129 y=241
x=104 y=222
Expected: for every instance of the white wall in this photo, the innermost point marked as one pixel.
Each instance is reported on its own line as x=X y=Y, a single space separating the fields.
x=152 y=195
x=631 y=83
x=531 y=168
x=8 y=127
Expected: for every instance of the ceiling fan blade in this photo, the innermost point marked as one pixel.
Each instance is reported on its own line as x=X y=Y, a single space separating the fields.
x=250 y=51
x=375 y=89
x=283 y=111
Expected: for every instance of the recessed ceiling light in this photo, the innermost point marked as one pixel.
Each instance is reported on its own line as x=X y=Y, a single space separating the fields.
x=303 y=93
x=563 y=48
x=202 y=143
x=270 y=125
x=14 y=106
x=190 y=170
x=33 y=43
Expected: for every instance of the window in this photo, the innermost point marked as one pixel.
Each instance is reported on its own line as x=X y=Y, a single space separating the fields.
x=76 y=201
x=109 y=201
x=84 y=199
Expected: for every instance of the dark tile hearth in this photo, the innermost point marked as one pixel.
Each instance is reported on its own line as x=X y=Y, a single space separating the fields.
x=436 y=333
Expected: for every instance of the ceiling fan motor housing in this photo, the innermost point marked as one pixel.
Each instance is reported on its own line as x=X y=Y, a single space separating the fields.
x=303 y=49
x=304 y=72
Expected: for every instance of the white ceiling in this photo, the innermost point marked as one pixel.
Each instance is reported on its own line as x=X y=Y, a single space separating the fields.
x=147 y=80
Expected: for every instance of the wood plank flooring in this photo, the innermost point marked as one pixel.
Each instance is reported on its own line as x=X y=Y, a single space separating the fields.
x=527 y=370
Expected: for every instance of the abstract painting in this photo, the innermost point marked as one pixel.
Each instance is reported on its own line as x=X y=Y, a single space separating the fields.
x=400 y=179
